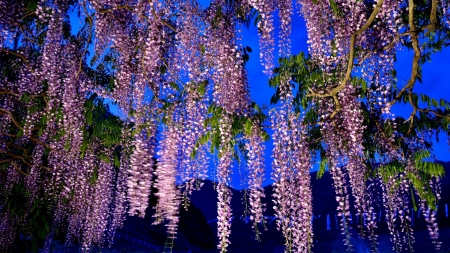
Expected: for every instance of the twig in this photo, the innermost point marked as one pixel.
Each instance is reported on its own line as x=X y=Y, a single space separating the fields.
x=28 y=14
x=18 y=169
x=11 y=144
x=30 y=39
x=5 y=161
x=7 y=134
x=20 y=127
x=16 y=157
x=12 y=118
x=89 y=18
x=24 y=59
x=8 y=92
x=120 y=7
x=171 y=73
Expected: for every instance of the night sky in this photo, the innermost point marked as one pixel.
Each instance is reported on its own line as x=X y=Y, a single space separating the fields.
x=436 y=81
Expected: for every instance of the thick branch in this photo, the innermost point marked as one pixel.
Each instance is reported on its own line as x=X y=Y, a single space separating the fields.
x=433 y=19
x=415 y=64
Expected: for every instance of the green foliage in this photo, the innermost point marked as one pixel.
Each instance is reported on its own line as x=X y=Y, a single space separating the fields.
x=423 y=173
x=241 y=125
x=431 y=115
x=101 y=125
x=336 y=10
x=323 y=165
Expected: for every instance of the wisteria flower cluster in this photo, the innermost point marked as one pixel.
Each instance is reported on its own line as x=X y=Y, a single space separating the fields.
x=175 y=74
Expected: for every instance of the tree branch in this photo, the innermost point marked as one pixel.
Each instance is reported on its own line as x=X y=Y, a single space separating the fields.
x=433 y=19
x=415 y=64
x=16 y=157
x=4 y=91
x=12 y=118
x=21 y=56
x=131 y=8
x=7 y=134
x=13 y=145
x=18 y=169
x=333 y=92
x=21 y=128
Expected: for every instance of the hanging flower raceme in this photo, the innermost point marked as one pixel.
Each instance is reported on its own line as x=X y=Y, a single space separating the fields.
x=394 y=202
x=285 y=13
x=140 y=173
x=98 y=212
x=266 y=30
x=255 y=148
x=229 y=75
x=194 y=165
x=74 y=89
x=292 y=190
x=10 y=12
x=166 y=174
x=51 y=66
x=224 y=193
x=8 y=231
x=337 y=161
x=352 y=135
x=34 y=178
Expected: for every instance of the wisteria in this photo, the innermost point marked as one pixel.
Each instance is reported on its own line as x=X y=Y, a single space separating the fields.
x=169 y=196
x=140 y=174
x=139 y=95
x=292 y=191
x=256 y=167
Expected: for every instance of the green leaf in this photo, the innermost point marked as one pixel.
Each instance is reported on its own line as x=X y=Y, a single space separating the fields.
x=94 y=177
x=336 y=10
x=202 y=48
x=322 y=167
x=248 y=127
x=276 y=97
x=265 y=136
x=175 y=86
x=163 y=69
x=202 y=87
x=116 y=161
x=104 y=158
